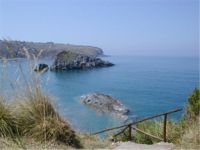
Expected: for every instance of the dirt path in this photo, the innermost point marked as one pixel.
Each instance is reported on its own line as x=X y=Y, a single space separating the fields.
x=134 y=146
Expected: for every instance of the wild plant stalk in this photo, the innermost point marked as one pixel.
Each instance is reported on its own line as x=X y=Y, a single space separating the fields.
x=38 y=119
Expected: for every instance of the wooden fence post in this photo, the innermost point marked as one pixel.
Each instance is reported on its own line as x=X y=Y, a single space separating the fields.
x=129 y=130
x=165 y=128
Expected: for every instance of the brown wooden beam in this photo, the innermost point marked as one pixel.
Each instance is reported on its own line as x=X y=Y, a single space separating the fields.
x=147 y=133
x=158 y=115
x=105 y=130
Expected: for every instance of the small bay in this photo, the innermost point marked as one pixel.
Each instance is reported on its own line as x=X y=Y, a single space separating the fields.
x=145 y=84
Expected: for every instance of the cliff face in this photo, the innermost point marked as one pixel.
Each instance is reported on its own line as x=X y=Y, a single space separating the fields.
x=16 y=49
x=67 y=60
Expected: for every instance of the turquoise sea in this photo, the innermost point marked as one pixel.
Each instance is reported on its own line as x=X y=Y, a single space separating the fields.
x=145 y=84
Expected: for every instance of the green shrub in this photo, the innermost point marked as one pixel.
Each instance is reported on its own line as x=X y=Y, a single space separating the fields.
x=193 y=106
x=8 y=124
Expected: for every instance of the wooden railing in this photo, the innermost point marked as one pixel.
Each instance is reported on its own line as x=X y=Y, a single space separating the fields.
x=130 y=126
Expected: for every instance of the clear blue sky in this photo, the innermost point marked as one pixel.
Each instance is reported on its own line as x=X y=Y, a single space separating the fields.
x=136 y=27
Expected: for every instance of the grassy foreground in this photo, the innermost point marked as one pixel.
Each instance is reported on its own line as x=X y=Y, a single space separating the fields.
x=33 y=123
x=34 y=117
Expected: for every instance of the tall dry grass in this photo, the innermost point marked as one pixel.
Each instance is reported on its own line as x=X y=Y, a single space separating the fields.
x=38 y=119
x=32 y=113
x=8 y=123
x=191 y=136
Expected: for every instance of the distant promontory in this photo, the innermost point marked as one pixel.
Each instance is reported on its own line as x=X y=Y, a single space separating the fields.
x=19 y=49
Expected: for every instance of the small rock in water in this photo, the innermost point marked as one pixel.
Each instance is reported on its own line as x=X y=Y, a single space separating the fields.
x=41 y=67
x=104 y=103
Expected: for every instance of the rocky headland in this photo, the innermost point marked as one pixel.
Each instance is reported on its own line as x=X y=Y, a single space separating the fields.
x=20 y=49
x=104 y=103
x=67 y=60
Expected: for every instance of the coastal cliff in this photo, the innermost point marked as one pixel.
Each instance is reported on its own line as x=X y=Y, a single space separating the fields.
x=16 y=49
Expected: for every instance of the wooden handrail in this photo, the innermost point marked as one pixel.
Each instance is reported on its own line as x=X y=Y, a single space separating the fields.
x=158 y=115
x=109 y=129
x=144 y=119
